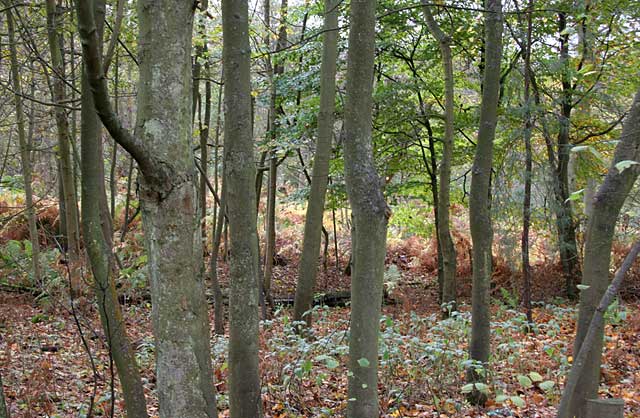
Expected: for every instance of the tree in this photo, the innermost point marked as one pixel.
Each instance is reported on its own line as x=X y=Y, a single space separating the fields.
x=480 y=202
x=445 y=242
x=607 y=204
x=169 y=198
x=239 y=178
x=25 y=149
x=97 y=231
x=370 y=214
x=308 y=268
x=4 y=411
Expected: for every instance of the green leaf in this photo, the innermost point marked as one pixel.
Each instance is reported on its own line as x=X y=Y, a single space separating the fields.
x=547 y=385
x=364 y=386
x=582 y=286
x=332 y=363
x=501 y=398
x=623 y=165
x=363 y=362
x=468 y=388
x=482 y=388
x=575 y=196
x=535 y=377
x=517 y=401
x=525 y=381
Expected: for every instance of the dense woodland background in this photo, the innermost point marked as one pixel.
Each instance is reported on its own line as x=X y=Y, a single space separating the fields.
x=314 y=209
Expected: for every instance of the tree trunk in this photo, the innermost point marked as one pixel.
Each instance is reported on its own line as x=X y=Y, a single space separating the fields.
x=4 y=410
x=445 y=241
x=99 y=249
x=169 y=199
x=64 y=150
x=244 y=376
x=526 y=205
x=597 y=252
x=480 y=203
x=218 y=304
x=308 y=269
x=589 y=342
x=370 y=213
x=25 y=151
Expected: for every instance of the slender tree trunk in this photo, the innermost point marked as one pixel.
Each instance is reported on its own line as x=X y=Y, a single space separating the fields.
x=370 y=213
x=444 y=233
x=219 y=317
x=526 y=205
x=564 y=216
x=25 y=151
x=64 y=150
x=480 y=203
x=169 y=198
x=597 y=253
x=97 y=233
x=4 y=410
x=308 y=269
x=244 y=376
x=204 y=139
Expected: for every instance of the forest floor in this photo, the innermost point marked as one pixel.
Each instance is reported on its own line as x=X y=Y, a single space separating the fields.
x=55 y=363
x=48 y=373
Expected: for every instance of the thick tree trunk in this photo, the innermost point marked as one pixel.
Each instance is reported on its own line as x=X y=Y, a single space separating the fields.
x=97 y=234
x=370 y=213
x=480 y=203
x=244 y=376
x=589 y=343
x=445 y=241
x=308 y=269
x=169 y=199
x=25 y=151
x=64 y=150
x=597 y=253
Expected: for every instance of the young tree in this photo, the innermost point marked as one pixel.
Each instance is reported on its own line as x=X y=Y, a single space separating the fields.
x=97 y=232
x=480 y=203
x=25 y=151
x=597 y=252
x=308 y=268
x=370 y=214
x=169 y=198
x=239 y=178
x=445 y=241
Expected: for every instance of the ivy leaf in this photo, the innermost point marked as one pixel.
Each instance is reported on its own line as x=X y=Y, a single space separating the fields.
x=517 y=401
x=535 y=377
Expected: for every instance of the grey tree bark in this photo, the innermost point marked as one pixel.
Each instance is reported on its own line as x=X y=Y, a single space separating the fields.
x=444 y=232
x=597 y=253
x=370 y=214
x=239 y=176
x=479 y=202
x=169 y=198
x=308 y=269
x=25 y=151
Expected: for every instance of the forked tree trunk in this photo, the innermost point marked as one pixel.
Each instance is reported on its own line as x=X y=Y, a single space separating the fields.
x=244 y=376
x=445 y=241
x=370 y=213
x=597 y=253
x=479 y=202
x=168 y=196
x=308 y=269
x=25 y=151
